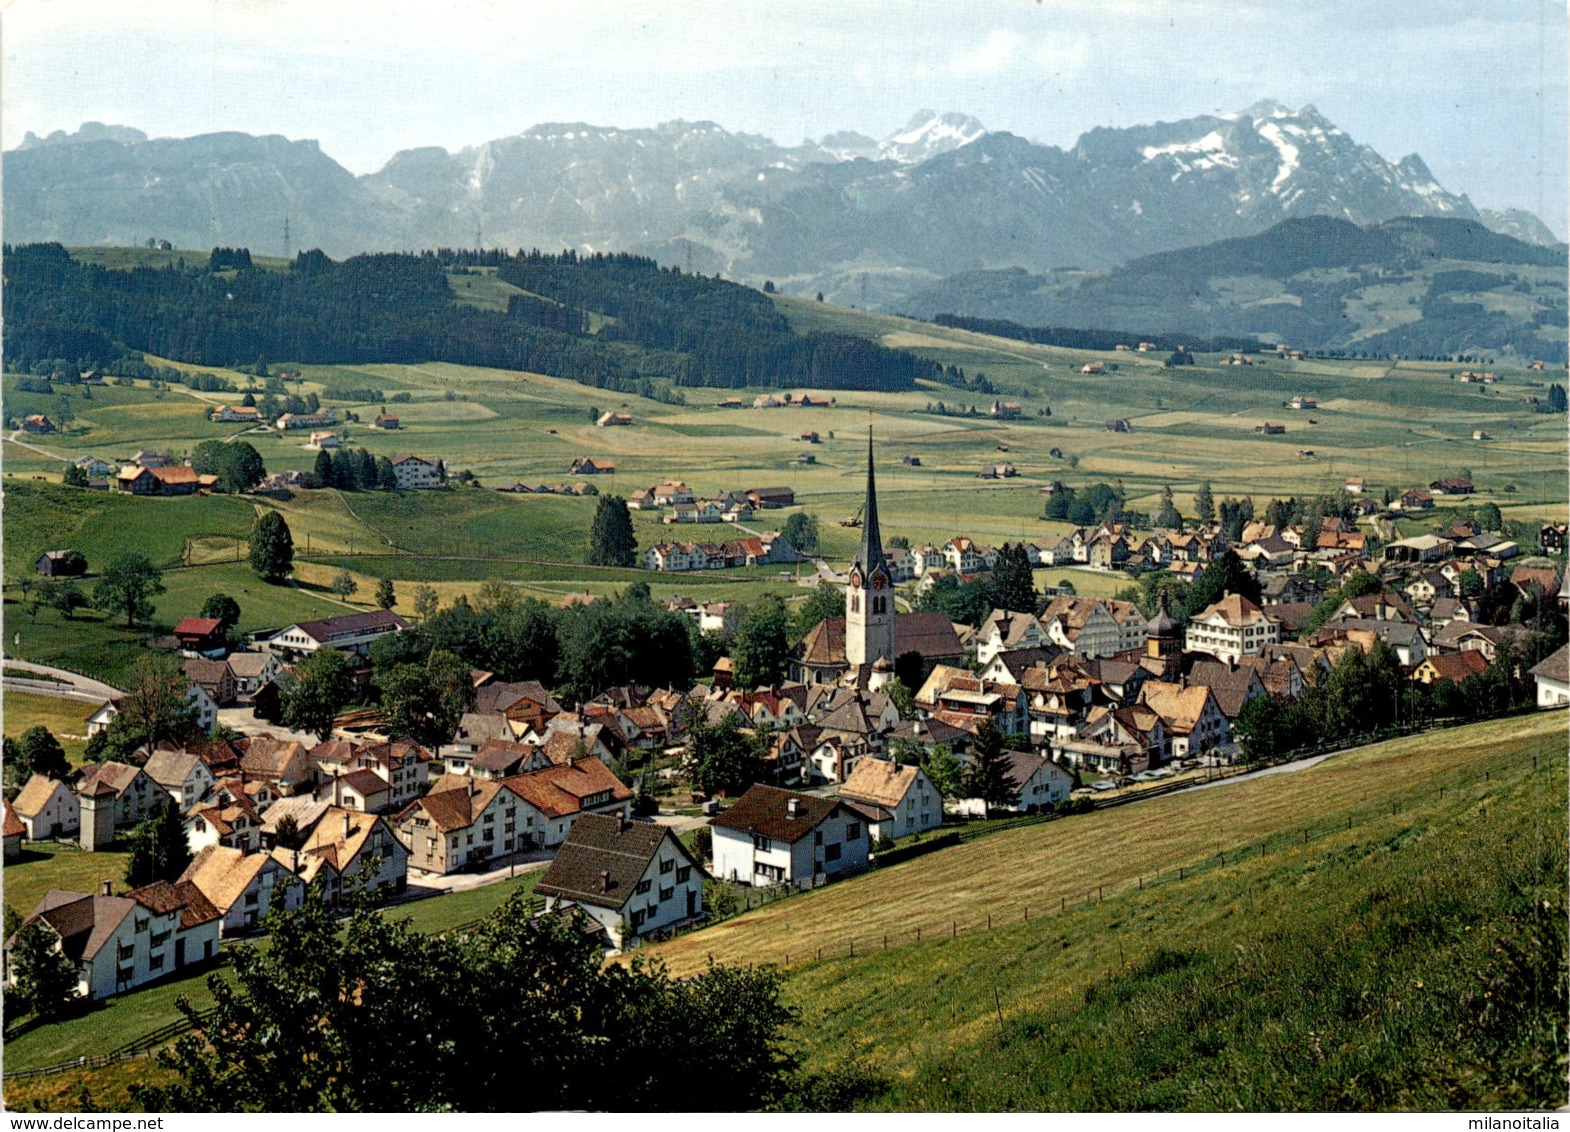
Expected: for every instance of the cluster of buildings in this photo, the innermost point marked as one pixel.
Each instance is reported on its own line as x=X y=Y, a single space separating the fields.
x=683 y=505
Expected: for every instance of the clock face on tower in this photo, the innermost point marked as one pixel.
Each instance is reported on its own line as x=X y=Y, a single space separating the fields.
x=855 y=578
x=879 y=581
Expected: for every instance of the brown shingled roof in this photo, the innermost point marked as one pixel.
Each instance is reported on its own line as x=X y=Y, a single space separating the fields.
x=604 y=858
x=559 y=790
x=766 y=810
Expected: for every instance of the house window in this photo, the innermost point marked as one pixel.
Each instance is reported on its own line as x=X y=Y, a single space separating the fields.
x=831 y=852
x=155 y=962
x=760 y=843
x=638 y=916
x=853 y=831
x=141 y=925
x=666 y=894
x=643 y=886
x=666 y=866
x=683 y=873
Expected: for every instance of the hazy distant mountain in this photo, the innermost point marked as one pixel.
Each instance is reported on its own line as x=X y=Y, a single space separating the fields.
x=864 y=221
x=1414 y=286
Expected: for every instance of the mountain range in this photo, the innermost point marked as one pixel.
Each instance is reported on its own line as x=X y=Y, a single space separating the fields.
x=868 y=222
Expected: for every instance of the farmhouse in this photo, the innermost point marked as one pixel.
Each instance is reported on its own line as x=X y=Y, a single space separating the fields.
x=387 y=421
x=772 y=498
x=178 y=480
x=1553 y=679
x=589 y=466
x=48 y=809
x=633 y=878
x=60 y=564
x=415 y=472
x=1231 y=629
x=322 y=441
x=241 y=414
x=608 y=420
x=773 y=836
x=352 y=632
x=326 y=418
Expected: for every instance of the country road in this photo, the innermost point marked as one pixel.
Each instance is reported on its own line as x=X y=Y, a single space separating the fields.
x=65 y=685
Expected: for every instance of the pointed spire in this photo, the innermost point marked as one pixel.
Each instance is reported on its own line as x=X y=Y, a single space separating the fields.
x=870 y=556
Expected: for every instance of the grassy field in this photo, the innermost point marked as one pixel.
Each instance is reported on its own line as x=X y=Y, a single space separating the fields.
x=1415 y=962
x=46 y=865
x=67 y=719
x=1003 y=875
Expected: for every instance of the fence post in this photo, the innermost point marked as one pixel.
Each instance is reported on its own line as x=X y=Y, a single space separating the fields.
x=918 y=935
x=820 y=953
x=955 y=933
x=989 y=921
x=885 y=941
x=853 y=949
x=1101 y=892
x=1064 y=907
x=1180 y=872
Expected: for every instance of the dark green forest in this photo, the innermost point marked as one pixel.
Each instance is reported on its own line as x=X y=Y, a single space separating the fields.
x=660 y=324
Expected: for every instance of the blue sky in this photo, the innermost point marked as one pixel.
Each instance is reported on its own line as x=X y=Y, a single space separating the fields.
x=1478 y=89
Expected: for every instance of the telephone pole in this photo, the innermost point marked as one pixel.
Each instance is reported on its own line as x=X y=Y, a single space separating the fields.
x=286 y=237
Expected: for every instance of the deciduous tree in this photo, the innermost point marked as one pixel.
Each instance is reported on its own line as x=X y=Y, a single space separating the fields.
x=316 y=691
x=761 y=649
x=426 y=702
x=272 y=547
x=128 y=585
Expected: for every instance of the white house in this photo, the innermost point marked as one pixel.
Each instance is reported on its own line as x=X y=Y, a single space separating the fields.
x=634 y=878
x=896 y=800
x=353 y=632
x=1038 y=782
x=773 y=836
x=117 y=943
x=1231 y=629
x=414 y=472
x=47 y=809
x=184 y=776
x=243 y=887
x=1553 y=679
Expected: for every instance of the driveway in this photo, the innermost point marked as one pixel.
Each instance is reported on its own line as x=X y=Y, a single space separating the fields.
x=463 y=882
x=246 y=723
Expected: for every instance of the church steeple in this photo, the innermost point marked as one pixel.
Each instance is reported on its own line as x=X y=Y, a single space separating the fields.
x=870 y=555
x=869 y=595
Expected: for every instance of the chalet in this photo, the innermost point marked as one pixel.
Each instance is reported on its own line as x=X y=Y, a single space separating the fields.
x=60 y=564
x=1553 y=537
x=1092 y=627
x=37 y=423
x=1036 y=782
x=94 y=467
x=1356 y=485
x=353 y=632
x=387 y=421
x=633 y=878
x=588 y=466
x=236 y=414
x=612 y=419
x=243 y=887
x=185 y=777
x=1001 y=471
x=343 y=847
x=201 y=636
x=895 y=800
x=1452 y=666
x=150 y=458
x=232 y=817
x=1303 y=401
x=117 y=943
x=415 y=472
x=285 y=763
x=1268 y=429
x=47 y=809
x=1414 y=499
x=251 y=670
x=773 y=836
x=1190 y=715
x=326 y=418
x=178 y=480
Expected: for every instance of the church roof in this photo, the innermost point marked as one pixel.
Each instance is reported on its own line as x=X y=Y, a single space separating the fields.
x=869 y=556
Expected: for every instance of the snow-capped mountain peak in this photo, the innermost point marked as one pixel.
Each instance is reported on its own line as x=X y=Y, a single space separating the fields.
x=929 y=134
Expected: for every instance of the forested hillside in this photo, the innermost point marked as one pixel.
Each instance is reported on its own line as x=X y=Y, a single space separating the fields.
x=657 y=324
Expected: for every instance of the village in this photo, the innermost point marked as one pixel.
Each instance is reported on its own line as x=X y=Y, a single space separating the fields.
x=888 y=724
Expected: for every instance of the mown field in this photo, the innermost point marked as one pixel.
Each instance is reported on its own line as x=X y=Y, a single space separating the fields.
x=66 y=719
x=1047 y=865
x=1413 y=963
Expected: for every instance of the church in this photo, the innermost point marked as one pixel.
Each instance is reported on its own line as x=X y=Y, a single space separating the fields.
x=873 y=641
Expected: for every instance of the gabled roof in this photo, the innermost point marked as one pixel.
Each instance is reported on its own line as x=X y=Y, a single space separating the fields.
x=13 y=824
x=604 y=858
x=162 y=898
x=1180 y=707
x=222 y=874
x=1553 y=667
x=1457 y=666
x=329 y=629
x=171 y=768
x=557 y=791
x=84 y=923
x=36 y=794
x=879 y=783
x=766 y=810
x=198 y=627
x=106 y=778
x=1236 y=610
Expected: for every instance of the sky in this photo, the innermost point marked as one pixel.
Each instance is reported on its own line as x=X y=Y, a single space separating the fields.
x=1478 y=88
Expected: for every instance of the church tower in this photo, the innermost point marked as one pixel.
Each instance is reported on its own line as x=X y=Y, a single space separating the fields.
x=869 y=596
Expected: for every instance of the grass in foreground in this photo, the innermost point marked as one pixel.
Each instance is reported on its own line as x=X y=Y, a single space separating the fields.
x=64 y=718
x=1041 y=865
x=1416 y=962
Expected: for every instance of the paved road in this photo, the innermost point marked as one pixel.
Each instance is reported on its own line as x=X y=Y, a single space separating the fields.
x=463 y=882
x=1281 y=768
x=75 y=687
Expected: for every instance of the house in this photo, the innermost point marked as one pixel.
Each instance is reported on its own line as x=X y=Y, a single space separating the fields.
x=1303 y=401
x=1420 y=548
x=251 y=670
x=1552 y=536
x=588 y=466
x=896 y=800
x=184 y=776
x=1119 y=424
x=362 y=790
x=243 y=887
x=1092 y=627
x=1038 y=783
x=323 y=419
x=1001 y=471
x=232 y=817
x=804 y=458
x=94 y=467
x=178 y=480
x=1232 y=683
x=1454 y=485
x=112 y=796
x=1190 y=715
x=241 y=414
x=213 y=677
x=117 y=943
x=1268 y=429
x=387 y=421
x=1117 y=741
x=353 y=632
x=1093 y=367
x=343 y=848
x=47 y=809
x=502 y=758
x=1414 y=500
x=1356 y=485
x=285 y=763
x=1232 y=628
x=633 y=878
x=561 y=792
x=201 y=636
x=150 y=458
x=1552 y=675
x=415 y=472
x=60 y=564
x=911 y=461
x=1005 y=410
x=38 y=423
x=773 y=836
x=607 y=420
x=322 y=441
x=1452 y=666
